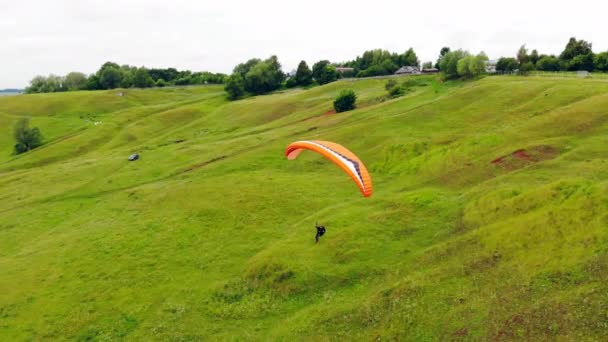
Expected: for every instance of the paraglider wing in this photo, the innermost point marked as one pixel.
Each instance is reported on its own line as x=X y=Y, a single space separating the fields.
x=338 y=154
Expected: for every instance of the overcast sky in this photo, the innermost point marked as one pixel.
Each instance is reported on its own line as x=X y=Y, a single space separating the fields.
x=42 y=37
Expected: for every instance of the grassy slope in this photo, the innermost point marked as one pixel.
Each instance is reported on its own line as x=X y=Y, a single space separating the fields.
x=210 y=233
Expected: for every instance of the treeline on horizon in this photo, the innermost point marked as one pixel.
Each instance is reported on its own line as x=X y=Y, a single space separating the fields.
x=112 y=75
x=257 y=76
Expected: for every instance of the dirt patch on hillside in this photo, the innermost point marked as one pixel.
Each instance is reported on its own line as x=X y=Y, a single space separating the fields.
x=524 y=157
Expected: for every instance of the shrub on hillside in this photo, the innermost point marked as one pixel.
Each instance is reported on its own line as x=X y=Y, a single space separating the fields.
x=393 y=88
x=345 y=101
x=390 y=84
x=26 y=138
x=396 y=91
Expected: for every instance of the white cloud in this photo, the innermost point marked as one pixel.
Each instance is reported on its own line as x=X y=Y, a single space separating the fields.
x=42 y=37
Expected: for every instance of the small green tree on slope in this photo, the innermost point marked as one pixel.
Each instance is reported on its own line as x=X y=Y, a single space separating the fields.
x=26 y=138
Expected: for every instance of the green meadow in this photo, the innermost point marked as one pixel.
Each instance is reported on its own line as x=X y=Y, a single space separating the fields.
x=489 y=218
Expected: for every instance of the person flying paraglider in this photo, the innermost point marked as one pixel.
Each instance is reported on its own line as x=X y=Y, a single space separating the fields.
x=320 y=232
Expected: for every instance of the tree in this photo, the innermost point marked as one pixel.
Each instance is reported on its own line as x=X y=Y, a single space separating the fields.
x=443 y=52
x=449 y=63
x=534 y=57
x=36 y=85
x=26 y=138
x=601 y=61
x=323 y=72
x=160 y=83
x=110 y=76
x=409 y=58
x=582 y=62
x=244 y=68
x=345 y=101
x=522 y=55
x=303 y=74
x=141 y=78
x=575 y=48
x=525 y=68
x=478 y=64
x=291 y=82
x=427 y=65
x=75 y=81
x=548 y=63
x=462 y=67
x=507 y=64
x=277 y=74
x=261 y=79
x=92 y=83
x=235 y=86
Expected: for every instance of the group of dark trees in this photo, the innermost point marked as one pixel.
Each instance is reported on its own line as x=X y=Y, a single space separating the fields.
x=112 y=75
x=258 y=76
x=255 y=76
x=322 y=72
x=381 y=62
x=577 y=55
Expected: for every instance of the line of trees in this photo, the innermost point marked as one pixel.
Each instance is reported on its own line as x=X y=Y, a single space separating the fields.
x=258 y=76
x=112 y=75
x=577 y=55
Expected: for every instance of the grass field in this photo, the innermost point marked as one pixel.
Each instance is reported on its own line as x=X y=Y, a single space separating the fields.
x=489 y=219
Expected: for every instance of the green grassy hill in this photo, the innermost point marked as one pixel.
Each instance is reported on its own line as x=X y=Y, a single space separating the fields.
x=489 y=219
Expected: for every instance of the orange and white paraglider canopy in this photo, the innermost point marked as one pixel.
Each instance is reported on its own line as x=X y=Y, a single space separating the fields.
x=338 y=154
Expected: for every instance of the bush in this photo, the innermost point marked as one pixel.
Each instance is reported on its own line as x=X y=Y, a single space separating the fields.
x=390 y=84
x=161 y=83
x=345 y=101
x=26 y=138
x=395 y=91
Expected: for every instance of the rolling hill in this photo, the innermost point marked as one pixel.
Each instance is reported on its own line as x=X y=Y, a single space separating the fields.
x=489 y=219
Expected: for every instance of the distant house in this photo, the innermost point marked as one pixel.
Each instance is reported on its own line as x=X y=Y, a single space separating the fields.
x=408 y=70
x=344 y=69
x=430 y=71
